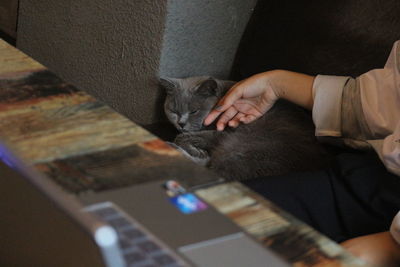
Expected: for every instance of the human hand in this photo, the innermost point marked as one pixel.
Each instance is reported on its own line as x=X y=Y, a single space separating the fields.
x=245 y=102
x=376 y=249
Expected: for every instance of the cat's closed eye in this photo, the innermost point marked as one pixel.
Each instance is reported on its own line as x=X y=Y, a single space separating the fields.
x=194 y=112
x=172 y=110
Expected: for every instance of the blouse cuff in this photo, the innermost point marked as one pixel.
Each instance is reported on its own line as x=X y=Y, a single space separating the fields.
x=327 y=94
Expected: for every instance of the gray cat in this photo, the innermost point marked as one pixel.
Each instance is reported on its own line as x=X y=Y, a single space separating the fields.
x=280 y=142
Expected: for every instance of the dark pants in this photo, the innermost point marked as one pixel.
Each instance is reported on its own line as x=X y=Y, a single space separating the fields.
x=355 y=197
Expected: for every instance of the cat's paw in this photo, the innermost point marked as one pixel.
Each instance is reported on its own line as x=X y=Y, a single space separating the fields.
x=192 y=139
x=199 y=160
x=203 y=161
x=190 y=146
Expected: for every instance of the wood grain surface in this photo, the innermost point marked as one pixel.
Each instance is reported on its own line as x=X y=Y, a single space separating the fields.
x=274 y=228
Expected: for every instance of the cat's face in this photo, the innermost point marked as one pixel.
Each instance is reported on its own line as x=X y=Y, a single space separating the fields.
x=189 y=101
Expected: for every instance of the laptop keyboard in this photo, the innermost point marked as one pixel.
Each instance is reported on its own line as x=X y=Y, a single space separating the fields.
x=139 y=247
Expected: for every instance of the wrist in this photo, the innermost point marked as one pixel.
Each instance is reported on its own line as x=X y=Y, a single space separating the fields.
x=292 y=86
x=269 y=82
x=276 y=82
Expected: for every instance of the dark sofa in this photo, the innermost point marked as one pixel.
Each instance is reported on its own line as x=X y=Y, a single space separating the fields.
x=338 y=37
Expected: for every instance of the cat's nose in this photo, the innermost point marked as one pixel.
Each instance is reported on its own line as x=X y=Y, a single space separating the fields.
x=181 y=124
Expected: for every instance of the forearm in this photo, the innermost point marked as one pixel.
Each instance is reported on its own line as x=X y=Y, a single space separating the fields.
x=378 y=249
x=292 y=86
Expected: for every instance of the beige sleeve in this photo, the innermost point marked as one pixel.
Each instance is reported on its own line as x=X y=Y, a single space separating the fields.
x=327 y=94
x=337 y=112
x=364 y=112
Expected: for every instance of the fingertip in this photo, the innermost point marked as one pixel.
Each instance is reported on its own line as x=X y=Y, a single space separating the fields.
x=206 y=121
x=249 y=119
x=220 y=127
x=233 y=124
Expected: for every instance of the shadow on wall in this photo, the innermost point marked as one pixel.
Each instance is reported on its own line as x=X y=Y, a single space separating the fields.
x=337 y=37
x=7 y=38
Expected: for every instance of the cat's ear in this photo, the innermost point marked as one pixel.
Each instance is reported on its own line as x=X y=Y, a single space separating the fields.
x=207 y=88
x=168 y=84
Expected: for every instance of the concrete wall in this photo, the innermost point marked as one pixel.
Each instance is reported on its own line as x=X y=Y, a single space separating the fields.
x=201 y=37
x=116 y=49
x=109 y=48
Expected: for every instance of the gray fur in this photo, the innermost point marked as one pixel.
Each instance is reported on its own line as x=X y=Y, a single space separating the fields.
x=280 y=142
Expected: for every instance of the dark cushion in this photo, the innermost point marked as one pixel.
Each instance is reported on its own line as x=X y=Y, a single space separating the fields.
x=338 y=37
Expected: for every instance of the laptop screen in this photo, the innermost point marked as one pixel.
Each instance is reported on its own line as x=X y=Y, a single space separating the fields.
x=35 y=232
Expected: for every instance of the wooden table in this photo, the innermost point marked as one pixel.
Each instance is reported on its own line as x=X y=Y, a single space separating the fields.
x=83 y=145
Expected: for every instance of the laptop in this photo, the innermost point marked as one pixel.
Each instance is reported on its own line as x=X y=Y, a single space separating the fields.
x=150 y=224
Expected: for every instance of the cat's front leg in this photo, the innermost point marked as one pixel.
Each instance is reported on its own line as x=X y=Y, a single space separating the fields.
x=196 y=145
x=201 y=159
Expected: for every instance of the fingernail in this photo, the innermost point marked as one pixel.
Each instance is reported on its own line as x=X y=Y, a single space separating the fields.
x=219 y=107
x=232 y=123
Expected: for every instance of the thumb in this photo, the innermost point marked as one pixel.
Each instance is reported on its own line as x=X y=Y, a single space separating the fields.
x=223 y=104
x=229 y=99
